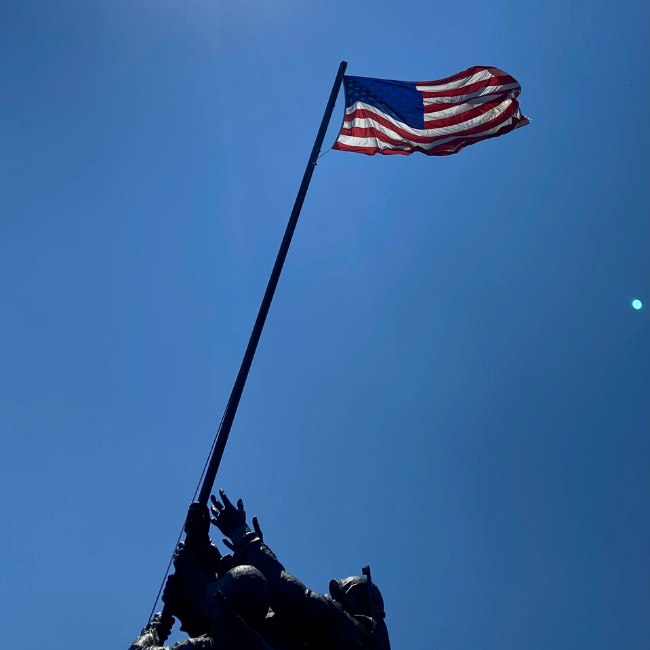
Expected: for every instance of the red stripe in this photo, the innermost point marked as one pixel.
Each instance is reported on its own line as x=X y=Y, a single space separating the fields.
x=362 y=113
x=370 y=151
x=375 y=133
x=442 y=150
x=481 y=109
x=445 y=149
x=472 y=88
x=436 y=108
x=455 y=77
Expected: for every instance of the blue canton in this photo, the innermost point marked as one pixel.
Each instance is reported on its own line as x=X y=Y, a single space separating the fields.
x=399 y=99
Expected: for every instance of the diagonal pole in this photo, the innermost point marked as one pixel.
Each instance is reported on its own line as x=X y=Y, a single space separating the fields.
x=240 y=382
x=242 y=375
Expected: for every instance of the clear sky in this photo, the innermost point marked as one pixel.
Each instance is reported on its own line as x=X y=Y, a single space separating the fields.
x=452 y=385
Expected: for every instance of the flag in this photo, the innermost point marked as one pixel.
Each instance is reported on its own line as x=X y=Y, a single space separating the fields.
x=437 y=118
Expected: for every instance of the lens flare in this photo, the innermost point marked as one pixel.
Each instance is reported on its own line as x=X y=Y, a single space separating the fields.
x=637 y=304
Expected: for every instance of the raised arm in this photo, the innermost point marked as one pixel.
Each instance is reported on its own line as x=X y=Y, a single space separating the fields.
x=311 y=615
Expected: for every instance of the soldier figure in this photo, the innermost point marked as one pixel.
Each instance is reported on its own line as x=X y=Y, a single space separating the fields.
x=235 y=605
x=247 y=601
x=220 y=607
x=346 y=620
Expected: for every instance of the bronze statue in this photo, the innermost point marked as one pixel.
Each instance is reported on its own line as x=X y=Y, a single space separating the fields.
x=248 y=601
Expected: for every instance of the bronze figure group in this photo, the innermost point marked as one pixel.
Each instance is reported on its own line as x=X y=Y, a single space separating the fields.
x=247 y=601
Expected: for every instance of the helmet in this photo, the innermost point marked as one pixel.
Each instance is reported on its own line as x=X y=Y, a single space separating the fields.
x=246 y=591
x=352 y=594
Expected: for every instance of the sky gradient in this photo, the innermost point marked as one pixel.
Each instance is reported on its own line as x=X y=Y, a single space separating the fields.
x=452 y=385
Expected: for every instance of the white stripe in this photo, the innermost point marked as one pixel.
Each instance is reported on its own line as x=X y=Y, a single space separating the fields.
x=488 y=90
x=407 y=144
x=472 y=79
x=370 y=142
x=444 y=130
x=456 y=110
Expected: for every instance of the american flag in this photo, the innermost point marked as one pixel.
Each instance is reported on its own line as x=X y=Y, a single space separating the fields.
x=437 y=118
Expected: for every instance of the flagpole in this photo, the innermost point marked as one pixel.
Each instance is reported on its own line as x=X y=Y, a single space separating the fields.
x=242 y=375
x=240 y=382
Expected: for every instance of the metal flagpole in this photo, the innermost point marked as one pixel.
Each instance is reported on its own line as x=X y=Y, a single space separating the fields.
x=240 y=381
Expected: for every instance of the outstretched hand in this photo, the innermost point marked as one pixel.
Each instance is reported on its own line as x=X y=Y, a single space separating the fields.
x=229 y=520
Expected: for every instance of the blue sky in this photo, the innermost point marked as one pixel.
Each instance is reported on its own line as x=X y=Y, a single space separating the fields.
x=452 y=385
